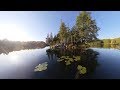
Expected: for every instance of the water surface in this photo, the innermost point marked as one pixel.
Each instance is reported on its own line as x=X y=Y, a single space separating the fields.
x=101 y=63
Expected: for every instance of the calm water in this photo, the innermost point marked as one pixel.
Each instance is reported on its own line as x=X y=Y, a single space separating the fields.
x=101 y=63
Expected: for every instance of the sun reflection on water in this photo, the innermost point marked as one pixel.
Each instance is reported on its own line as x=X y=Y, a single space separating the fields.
x=14 y=58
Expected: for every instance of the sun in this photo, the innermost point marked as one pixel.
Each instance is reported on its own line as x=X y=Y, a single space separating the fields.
x=13 y=32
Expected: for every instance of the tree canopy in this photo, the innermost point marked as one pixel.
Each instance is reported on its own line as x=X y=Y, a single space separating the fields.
x=84 y=31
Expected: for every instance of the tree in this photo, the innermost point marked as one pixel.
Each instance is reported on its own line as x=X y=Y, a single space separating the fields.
x=63 y=32
x=67 y=35
x=117 y=41
x=55 y=39
x=113 y=41
x=75 y=34
x=51 y=36
x=86 y=27
x=47 y=39
x=106 y=41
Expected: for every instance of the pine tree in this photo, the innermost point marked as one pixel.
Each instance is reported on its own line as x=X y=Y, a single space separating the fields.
x=87 y=27
x=51 y=36
x=63 y=32
x=47 y=39
x=74 y=33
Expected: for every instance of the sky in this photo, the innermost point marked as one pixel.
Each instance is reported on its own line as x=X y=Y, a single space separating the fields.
x=35 y=25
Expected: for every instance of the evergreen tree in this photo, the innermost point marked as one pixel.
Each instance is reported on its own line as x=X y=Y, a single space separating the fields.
x=86 y=27
x=51 y=36
x=63 y=32
x=74 y=33
x=47 y=39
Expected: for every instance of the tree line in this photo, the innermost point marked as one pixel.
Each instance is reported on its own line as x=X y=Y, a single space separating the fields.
x=112 y=41
x=83 y=32
x=108 y=42
x=7 y=46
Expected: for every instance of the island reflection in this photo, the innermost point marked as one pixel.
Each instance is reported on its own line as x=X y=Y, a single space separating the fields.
x=71 y=59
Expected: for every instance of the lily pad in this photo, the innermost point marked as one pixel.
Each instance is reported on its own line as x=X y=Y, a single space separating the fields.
x=63 y=57
x=71 y=59
x=68 y=63
x=82 y=70
x=77 y=58
x=41 y=67
x=60 y=60
x=79 y=67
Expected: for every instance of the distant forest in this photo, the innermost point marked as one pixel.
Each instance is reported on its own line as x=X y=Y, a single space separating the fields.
x=115 y=41
x=7 y=46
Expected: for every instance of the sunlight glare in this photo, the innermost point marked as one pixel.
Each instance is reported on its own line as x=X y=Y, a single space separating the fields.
x=14 y=58
x=13 y=32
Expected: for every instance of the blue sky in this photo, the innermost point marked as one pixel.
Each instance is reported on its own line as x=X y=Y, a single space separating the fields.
x=35 y=25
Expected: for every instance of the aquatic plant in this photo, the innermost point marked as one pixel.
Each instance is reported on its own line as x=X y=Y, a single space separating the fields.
x=76 y=58
x=82 y=70
x=63 y=57
x=68 y=63
x=41 y=67
x=71 y=59
x=68 y=59
x=60 y=59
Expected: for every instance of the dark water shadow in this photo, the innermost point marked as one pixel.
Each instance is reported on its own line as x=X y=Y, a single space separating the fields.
x=68 y=66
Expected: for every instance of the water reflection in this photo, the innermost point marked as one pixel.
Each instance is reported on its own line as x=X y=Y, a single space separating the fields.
x=111 y=46
x=7 y=51
x=107 y=46
x=21 y=64
x=73 y=59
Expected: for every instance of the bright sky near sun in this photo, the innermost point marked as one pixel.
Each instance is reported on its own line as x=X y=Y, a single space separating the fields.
x=35 y=25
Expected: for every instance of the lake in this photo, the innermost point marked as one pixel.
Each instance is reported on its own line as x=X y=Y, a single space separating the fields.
x=100 y=63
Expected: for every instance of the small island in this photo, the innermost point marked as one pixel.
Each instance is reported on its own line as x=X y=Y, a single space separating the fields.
x=60 y=45
x=81 y=36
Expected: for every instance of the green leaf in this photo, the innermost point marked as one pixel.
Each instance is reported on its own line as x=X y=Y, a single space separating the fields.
x=79 y=67
x=71 y=59
x=68 y=63
x=77 y=58
x=63 y=57
x=83 y=70
x=41 y=67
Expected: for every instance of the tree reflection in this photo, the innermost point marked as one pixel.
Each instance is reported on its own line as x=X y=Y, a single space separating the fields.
x=7 y=46
x=114 y=46
x=81 y=63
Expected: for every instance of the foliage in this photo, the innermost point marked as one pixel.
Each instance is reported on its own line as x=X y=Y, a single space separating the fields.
x=68 y=59
x=41 y=67
x=105 y=42
x=82 y=70
x=84 y=31
x=62 y=33
x=87 y=27
x=72 y=59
